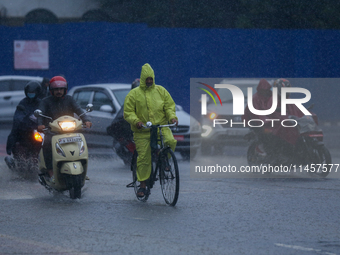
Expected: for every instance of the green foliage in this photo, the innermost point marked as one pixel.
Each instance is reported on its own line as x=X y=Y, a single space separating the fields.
x=264 y=14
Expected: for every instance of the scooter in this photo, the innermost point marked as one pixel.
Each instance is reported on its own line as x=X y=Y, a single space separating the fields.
x=25 y=156
x=69 y=155
x=309 y=150
x=26 y=150
x=123 y=144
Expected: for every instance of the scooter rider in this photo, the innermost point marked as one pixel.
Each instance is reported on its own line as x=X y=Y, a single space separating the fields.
x=24 y=120
x=54 y=106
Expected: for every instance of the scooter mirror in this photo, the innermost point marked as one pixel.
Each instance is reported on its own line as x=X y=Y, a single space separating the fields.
x=37 y=113
x=89 y=107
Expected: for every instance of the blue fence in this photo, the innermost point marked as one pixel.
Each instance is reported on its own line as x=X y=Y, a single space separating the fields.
x=114 y=52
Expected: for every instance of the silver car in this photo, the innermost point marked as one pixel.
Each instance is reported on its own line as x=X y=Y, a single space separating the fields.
x=12 y=92
x=107 y=99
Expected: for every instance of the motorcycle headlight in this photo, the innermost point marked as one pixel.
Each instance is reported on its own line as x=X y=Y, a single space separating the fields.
x=212 y=115
x=67 y=125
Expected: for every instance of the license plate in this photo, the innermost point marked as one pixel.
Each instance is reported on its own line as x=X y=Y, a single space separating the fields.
x=179 y=137
x=69 y=140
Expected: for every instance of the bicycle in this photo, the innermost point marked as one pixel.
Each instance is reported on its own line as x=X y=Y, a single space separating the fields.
x=164 y=166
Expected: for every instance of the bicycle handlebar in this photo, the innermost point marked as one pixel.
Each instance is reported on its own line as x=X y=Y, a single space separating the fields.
x=159 y=126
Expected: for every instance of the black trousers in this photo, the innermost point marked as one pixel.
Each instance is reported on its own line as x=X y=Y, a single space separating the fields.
x=47 y=150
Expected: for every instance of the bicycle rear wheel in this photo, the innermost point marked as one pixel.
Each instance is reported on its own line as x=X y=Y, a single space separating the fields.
x=135 y=182
x=169 y=177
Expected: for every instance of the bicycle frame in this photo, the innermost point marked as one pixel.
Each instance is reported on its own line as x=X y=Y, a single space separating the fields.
x=156 y=155
x=167 y=169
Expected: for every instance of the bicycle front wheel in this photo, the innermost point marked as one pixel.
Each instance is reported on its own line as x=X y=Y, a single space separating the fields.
x=169 y=177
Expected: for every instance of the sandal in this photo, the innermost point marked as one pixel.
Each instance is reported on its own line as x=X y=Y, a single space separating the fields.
x=141 y=192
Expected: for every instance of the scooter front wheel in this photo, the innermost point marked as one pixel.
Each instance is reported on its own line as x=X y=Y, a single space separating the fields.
x=322 y=157
x=75 y=190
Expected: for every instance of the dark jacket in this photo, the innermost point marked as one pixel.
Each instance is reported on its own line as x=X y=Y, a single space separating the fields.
x=120 y=128
x=24 y=123
x=260 y=101
x=56 y=107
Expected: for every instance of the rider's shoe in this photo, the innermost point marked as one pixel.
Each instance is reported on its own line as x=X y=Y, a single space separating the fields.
x=52 y=180
x=141 y=192
x=10 y=162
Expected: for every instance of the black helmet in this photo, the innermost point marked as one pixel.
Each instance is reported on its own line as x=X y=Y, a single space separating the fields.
x=32 y=89
x=279 y=83
x=135 y=83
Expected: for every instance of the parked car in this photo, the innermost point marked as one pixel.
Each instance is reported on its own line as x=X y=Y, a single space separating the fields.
x=107 y=99
x=187 y=134
x=12 y=92
x=215 y=138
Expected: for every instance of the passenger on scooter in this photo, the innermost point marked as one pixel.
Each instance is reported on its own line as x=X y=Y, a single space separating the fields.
x=287 y=134
x=148 y=102
x=24 y=121
x=54 y=106
x=44 y=88
x=260 y=101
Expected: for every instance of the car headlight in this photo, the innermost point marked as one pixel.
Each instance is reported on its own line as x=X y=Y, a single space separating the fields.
x=67 y=125
x=196 y=127
x=206 y=130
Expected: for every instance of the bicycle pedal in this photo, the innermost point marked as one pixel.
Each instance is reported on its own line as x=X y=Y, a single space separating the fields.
x=131 y=185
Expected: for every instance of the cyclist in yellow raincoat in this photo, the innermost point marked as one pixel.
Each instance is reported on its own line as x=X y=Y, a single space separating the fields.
x=148 y=102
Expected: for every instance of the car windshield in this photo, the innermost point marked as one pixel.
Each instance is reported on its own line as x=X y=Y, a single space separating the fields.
x=120 y=95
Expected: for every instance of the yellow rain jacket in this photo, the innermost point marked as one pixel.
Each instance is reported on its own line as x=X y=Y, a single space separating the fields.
x=144 y=104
